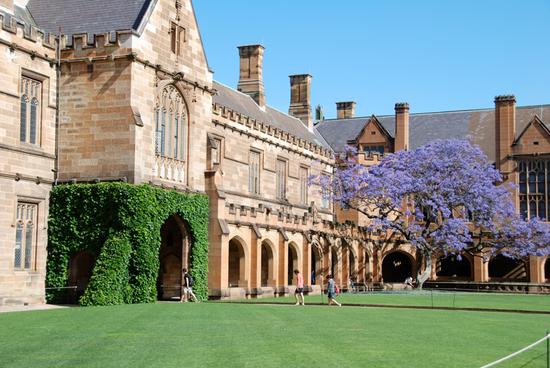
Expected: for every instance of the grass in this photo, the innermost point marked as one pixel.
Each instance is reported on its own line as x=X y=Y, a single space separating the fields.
x=237 y=335
x=426 y=298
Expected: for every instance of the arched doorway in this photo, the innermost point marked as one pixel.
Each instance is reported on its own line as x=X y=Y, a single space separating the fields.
x=174 y=254
x=316 y=265
x=292 y=262
x=452 y=267
x=366 y=270
x=333 y=262
x=81 y=267
x=547 y=269
x=267 y=265
x=351 y=265
x=396 y=267
x=507 y=269
x=237 y=263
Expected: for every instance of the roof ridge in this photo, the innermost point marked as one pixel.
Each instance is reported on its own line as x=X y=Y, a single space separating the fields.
x=432 y=112
x=271 y=107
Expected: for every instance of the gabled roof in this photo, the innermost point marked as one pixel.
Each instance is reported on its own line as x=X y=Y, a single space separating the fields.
x=536 y=120
x=478 y=126
x=89 y=16
x=373 y=120
x=244 y=104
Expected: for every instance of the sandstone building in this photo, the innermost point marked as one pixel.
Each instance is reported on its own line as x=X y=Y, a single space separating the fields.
x=128 y=96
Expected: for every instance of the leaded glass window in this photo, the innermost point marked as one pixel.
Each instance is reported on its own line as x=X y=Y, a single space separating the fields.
x=254 y=173
x=304 y=173
x=25 y=235
x=171 y=124
x=281 y=179
x=29 y=120
x=534 y=188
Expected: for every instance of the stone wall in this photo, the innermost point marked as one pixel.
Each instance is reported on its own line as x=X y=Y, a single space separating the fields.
x=26 y=169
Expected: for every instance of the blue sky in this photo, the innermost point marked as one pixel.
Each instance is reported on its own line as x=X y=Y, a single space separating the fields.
x=435 y=54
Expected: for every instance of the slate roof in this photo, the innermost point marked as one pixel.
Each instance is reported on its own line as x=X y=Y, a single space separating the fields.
x=244 y=104
x=88 y=16
x=478 y=126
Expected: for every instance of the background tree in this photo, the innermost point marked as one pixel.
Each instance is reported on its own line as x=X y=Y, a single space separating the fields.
x=442 y=198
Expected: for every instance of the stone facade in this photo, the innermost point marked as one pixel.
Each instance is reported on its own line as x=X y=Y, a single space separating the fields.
x=27 y=151
x=140 y=105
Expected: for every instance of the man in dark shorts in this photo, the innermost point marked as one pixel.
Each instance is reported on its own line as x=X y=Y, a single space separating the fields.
x=299 y=293
x=187 y=287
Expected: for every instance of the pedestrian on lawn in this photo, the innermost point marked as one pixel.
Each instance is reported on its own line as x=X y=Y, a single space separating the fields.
x=299 y=292
x=187 y=287
x=332 y=291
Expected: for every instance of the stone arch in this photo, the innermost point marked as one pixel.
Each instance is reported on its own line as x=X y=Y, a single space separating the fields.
x=502 y=268
x=293 y=261
x=81 y=266
x=352 y=264
x=547 y=269
x=268 y=271
x=397 y=266
x=174 y=255
x=316 y=264
x=451 y=267
x=237 y=263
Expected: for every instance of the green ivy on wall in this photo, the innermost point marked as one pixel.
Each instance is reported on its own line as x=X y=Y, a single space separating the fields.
x=120 y=225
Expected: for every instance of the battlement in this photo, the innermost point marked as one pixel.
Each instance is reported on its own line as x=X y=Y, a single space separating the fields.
x=85 y=41
x=9 y=23
x=262 y=127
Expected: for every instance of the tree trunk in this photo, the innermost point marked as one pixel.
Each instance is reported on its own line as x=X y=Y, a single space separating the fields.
x=422 y=277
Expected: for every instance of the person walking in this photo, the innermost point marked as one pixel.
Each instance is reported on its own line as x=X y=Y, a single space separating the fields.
x=187 y=287
x=331 y=291
x=299 y=292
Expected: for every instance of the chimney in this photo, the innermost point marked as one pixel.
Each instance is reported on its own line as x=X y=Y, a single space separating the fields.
x=505 y=129
x=345 y=110
x=300 y=98
x=250 y=80
x=401 y=126
x=7 y=4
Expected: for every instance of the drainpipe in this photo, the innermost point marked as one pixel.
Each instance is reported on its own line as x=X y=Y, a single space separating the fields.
x=57 y=94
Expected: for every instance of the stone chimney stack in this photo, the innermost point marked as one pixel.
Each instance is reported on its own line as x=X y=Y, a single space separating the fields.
x=345 y=110
x=300 y=98
x=401 y=126
x=251 y=72
x=7 y=4
x=505 y=125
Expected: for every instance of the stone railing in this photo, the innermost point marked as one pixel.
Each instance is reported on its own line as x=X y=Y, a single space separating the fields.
x=169 y=169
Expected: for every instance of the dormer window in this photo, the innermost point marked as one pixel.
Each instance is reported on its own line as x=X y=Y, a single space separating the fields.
x=177 y=35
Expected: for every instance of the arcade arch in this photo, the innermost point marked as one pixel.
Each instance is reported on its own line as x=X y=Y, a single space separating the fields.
x=396 y=267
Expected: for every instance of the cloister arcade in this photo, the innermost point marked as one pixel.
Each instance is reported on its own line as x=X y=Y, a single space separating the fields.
x=253 y=266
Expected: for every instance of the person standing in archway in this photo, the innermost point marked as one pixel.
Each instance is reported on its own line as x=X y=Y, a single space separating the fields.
x=187 y=287
x=299 y=292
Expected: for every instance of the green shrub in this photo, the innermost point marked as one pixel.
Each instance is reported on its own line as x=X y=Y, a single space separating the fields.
x=109 y=284
x=100 y=218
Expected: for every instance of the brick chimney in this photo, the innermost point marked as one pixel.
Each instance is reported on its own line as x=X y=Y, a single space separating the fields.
x=251 y=70
x=7 y=4
x=505 y=129
x=300 y=98
x=401 y=126
x=345 y=110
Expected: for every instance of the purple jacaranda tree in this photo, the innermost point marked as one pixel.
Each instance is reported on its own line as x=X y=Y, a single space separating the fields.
x=442 y=198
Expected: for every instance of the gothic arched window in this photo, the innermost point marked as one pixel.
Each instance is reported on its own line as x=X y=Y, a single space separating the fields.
x=171 y=124
x=31 y=91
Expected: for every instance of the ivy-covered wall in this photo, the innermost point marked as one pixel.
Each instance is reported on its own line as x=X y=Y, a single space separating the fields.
x=120 y=225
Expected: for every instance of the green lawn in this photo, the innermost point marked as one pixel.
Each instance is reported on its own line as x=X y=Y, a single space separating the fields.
x=437 y=299
x=242 y=335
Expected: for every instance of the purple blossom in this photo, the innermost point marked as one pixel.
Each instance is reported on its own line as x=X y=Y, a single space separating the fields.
x=443 y=198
